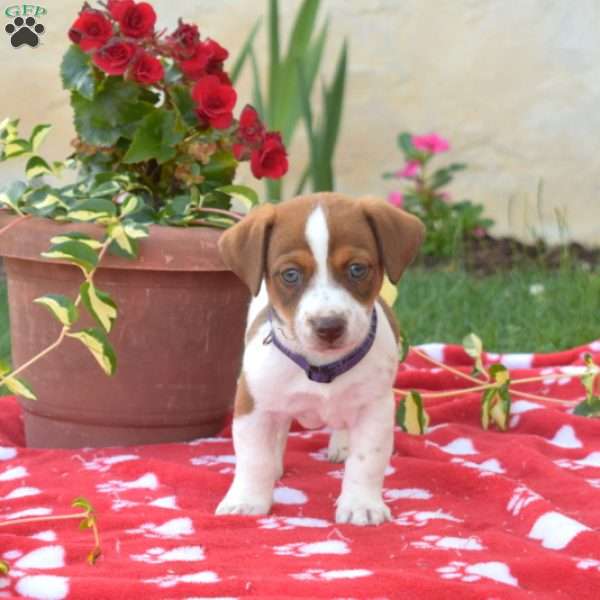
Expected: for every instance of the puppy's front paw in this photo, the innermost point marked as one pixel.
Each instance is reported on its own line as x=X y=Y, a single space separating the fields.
x=357 y=511
x=243 y=506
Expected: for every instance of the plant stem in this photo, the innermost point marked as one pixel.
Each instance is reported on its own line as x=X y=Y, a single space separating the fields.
x=22 y=217
x=7 y=522
x=66 y=328
x=441 y=365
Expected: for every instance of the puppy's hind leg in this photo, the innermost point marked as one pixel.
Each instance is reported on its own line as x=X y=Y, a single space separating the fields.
x=339 y=446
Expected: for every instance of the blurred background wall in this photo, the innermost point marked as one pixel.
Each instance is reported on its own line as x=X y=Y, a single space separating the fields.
x=515 y=87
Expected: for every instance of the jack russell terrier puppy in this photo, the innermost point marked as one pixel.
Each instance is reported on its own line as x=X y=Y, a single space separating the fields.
x=320 y=346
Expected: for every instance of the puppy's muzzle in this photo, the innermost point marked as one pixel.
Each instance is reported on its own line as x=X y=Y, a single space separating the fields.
x=329 y=329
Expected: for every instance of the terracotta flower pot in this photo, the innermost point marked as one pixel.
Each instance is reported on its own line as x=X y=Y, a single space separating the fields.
x=178 y=339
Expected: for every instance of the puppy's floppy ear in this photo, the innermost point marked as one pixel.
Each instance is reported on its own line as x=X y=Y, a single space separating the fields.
x=243 y=247
x=398 y=233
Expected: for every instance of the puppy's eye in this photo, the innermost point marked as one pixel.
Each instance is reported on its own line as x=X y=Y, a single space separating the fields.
x=291 y=276
x=357 y=271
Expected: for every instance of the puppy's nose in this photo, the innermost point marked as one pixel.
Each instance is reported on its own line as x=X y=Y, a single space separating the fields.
x=329 y=329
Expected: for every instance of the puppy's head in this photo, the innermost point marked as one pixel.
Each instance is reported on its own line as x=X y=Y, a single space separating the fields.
x=323 y=257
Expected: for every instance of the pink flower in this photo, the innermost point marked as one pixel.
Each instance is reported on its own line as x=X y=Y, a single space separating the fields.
x=479 y=232
x=396 y=199
x=444 y=196
x=432 y=143
x=411 y=169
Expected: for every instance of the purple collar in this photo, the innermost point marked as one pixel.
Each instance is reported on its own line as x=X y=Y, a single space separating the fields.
x=328 y=372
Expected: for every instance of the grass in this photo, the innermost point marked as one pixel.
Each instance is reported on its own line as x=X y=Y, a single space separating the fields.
x=444 y=306
x=503 y=309
x=4 y=328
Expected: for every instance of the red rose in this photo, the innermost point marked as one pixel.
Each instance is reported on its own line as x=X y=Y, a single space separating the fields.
x=215 y=102
x=183 y=40
x=90 y=30
x=137 y=20
x=117 y=8
x=251 y=131
x=241 y=152
x=205 y=58
x=270 y=160
x=147 y=69
x=115 y=57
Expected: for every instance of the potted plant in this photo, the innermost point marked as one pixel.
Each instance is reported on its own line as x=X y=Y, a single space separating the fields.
x=133 y=234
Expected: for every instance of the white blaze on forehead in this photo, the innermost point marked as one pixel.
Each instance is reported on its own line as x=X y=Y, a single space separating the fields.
x=317 y=236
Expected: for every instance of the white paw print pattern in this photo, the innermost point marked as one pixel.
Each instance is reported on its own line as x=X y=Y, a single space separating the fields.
x=322 y=575
x=169 y=581
x=173 y=529
x=154 y=556
x=148 y=481
x=40 y=586
x=436 y=542
x=588 y=563
x=212 y=460
x=287 y=523
x=302 y=550
x=592 y=460
x=522 y=497
x=470 y=573
x=415 y=518
x=487 y=468
x=102 y=464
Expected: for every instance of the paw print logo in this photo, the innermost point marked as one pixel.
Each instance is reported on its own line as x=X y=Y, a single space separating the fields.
x=24 y=31
x=494 y=570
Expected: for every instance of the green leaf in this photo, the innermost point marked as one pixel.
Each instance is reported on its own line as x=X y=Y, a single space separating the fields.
x=334 y=100
x=155 y=138
x=79 y=237
x=405 y=144
x=38 y=135
x=473 y=346
x=94 y=210
x=495 y=406
x=257 y=98
x=238 y=65
x=75 y=252
x=16 y=148
x=81 y=502
x=99 y=346
x=274 y=59
x=499 y=373
x=220 y=168
x=135 y=231
x=590 y=407
x=77 y=72
x=404 y=347
x=99 y=304
x=12 y=195
x=19 y=388
x=126 y=246
x=590 y=379
x=182 y=98
x=4 y=567
x=114 y=112
x=411 y=414
x=285 y=114
x=61 y=307
x=104 y=189
x=36 y=167
x=247 y=196
x=130 y=204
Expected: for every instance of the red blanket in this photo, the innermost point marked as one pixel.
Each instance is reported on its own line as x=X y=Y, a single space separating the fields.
x=476 y=514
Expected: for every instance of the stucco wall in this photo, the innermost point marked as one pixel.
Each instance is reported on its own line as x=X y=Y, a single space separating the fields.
x=514 y=85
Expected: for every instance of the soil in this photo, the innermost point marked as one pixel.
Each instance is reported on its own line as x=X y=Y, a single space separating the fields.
x=488 y=255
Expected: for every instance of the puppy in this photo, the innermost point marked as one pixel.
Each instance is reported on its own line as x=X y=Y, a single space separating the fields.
x=320 y=346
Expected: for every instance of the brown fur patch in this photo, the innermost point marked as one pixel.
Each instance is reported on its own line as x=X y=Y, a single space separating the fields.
x=244 y=402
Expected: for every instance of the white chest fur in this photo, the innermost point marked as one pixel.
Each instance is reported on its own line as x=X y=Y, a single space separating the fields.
x=277 y=384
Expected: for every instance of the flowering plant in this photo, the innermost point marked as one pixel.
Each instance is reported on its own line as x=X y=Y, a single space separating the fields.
x=157 y=143
x=448 y=223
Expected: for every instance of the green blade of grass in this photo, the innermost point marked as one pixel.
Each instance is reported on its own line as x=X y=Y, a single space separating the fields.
x=240 y=61
x=274 y=66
